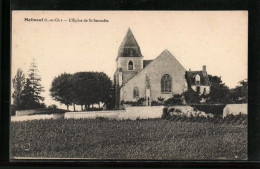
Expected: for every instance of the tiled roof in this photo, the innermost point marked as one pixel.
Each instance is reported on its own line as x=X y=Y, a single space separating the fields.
x=146 y=62
x=129 y=47
x=204 y=79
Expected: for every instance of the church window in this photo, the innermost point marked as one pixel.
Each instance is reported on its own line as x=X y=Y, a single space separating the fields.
x=130 y=65
x=197 y=79
x=166 y=83
x=136 y=93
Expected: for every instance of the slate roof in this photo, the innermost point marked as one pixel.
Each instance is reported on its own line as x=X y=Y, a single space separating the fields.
x=146 y=62
x=129 y=47
x=204 y=79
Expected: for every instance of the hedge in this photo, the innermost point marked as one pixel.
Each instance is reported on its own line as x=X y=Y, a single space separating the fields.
x=215 y=109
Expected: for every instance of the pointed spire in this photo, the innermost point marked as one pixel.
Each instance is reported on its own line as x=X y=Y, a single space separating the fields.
x=129 y=47
x=129 y=40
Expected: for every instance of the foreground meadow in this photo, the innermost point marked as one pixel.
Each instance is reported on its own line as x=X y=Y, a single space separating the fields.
x=128 y=139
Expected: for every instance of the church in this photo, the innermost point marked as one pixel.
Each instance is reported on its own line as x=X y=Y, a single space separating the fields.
x=161 y=77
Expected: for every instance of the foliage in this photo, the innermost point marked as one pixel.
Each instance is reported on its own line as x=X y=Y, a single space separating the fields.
x=155 y=103
x=176 y=99
x=28 y=98
x=91 y=88
x=191 y=97
x=110 y=102
x=240 y=119
x=156 y=139
x=61 y=89
x=36 y=87
x=240 y=93
x=27 y=91
x=219 y=93
x=18 y=85
x=52 y=107
x=139 y=102
x=215 y=109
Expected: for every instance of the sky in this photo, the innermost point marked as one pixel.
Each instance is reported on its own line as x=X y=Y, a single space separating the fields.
x=217 y=39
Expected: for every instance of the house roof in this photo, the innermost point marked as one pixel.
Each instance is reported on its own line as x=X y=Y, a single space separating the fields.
x=146 y=62
x=129 y=47
x=204 y=79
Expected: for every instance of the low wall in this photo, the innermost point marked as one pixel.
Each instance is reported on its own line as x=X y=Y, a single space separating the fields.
x=93 y=114
x=235 y=109
x=28 y=112
x=31 y=117
x=132 y=113
x=36 y=117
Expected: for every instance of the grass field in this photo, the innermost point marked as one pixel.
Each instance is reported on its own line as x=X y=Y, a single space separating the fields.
x=128 y=139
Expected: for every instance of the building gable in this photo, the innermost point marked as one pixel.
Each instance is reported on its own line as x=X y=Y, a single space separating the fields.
x=165 y=63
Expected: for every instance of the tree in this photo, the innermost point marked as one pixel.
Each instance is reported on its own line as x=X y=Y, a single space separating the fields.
x=35 y=80
x=61 y=89
x=176 y=99
x=27 y=98
x=106 y=89
x=191 y=97
x=240 y=93
x=219 y=92
x=90 y=88
x=18 y=85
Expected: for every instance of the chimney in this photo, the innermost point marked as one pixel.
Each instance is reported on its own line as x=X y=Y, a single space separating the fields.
x=204 y=69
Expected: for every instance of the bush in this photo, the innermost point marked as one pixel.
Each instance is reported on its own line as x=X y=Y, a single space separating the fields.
x=52 y=107
x=94 y=109
x=155 y=103
x=174 y=100
x=165 y=113
x=215 y=109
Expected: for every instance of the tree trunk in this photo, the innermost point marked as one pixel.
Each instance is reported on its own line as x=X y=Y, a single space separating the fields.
x=81 y=107
x=99 y=105
x=67 y=107
x=74 y=106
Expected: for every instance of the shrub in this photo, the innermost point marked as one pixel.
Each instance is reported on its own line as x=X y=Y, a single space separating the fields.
x=155 y=103
x=174 y=100
x=52 y=107
x=165 y=113
x=140 y=101
x=216 y=110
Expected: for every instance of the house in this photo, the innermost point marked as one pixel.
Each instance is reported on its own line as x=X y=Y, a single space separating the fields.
x=162 y=77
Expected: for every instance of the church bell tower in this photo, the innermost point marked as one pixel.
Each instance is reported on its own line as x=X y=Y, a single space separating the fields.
x=129 y=61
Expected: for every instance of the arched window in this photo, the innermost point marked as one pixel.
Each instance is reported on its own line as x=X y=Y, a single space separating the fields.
x=136 y=92
x=166 y=83
x=197 y=79
x=130 y=65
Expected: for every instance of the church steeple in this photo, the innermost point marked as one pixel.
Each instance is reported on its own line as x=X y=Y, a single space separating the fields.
x=129 y=47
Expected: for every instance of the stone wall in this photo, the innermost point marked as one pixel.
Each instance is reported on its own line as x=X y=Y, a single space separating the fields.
x=164 y=64
x=235 y=109
x=28 y=112
x=131 y=113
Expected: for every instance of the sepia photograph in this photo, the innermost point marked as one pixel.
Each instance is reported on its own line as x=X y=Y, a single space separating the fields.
x=129 y=85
